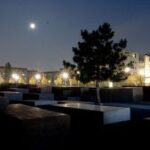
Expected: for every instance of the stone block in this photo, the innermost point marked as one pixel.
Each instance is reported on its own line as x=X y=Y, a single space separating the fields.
x=34 y=128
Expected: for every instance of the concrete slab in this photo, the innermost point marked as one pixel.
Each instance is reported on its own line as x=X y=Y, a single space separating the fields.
x=12 y=95
x=102 y=114
x=33 y=128
x=39 y=102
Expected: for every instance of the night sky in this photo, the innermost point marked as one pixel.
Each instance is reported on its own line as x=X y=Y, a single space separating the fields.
x=58 y=28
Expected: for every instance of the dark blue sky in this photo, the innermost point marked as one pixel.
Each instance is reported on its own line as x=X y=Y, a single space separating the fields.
x=59 y=23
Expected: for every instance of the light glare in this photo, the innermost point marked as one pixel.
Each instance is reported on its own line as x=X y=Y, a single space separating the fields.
x=32 y=26
x=141 y=72
x=15 y=76
x=38 y=76
x=127 y=69
x=110 y=84
x=65 y=75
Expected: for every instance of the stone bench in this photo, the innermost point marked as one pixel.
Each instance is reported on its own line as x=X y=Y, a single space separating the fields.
x=122 y=95
x=33 y=128
x=139 y=111
x=46 y=96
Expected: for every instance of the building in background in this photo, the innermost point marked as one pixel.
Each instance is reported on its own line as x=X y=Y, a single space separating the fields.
x=139 y=74
x=132 y=57
x=147 y=69
x=17 y=74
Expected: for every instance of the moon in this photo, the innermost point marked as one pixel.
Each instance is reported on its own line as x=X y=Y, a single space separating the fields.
x=32 y=26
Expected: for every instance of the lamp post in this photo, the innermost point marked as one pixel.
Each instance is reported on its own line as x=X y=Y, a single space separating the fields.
x=110 y=84
x=78 y=73
x=38 y=78
x=65 y=76
x=15 y=77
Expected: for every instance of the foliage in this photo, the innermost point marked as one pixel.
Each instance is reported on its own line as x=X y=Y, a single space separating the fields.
x=98 y=57
x=135 y=80
x=58 y=81
x=7 y=72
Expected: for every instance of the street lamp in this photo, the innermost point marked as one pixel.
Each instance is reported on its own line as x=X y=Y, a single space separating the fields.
x=110 y=84
x=78 y=73
x=15 y=77
x=38 y=78
x=65 y=76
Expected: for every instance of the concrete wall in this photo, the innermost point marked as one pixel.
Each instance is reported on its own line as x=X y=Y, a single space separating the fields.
x=126 y=94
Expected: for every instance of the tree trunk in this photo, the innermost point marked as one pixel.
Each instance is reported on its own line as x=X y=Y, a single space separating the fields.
x=98 y=93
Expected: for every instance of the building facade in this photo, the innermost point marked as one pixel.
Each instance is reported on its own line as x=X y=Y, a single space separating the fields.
x=132 y=57
x=140 y=73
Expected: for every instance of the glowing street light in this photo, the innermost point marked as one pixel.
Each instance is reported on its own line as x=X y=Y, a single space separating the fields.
x=110 y=84
x=38 y=78
x=65 y=76
x=78 y=72
x=16 y=77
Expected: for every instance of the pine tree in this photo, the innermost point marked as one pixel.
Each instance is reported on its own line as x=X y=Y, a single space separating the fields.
x=98 y=57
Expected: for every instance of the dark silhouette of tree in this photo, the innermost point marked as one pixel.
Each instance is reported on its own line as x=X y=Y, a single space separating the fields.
x=98 y=58
x=7 y=72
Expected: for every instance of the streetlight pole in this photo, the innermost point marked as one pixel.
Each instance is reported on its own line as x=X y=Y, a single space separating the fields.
x=16 y=77
x=38 y=78
x=65 y=77
x=78 y=82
